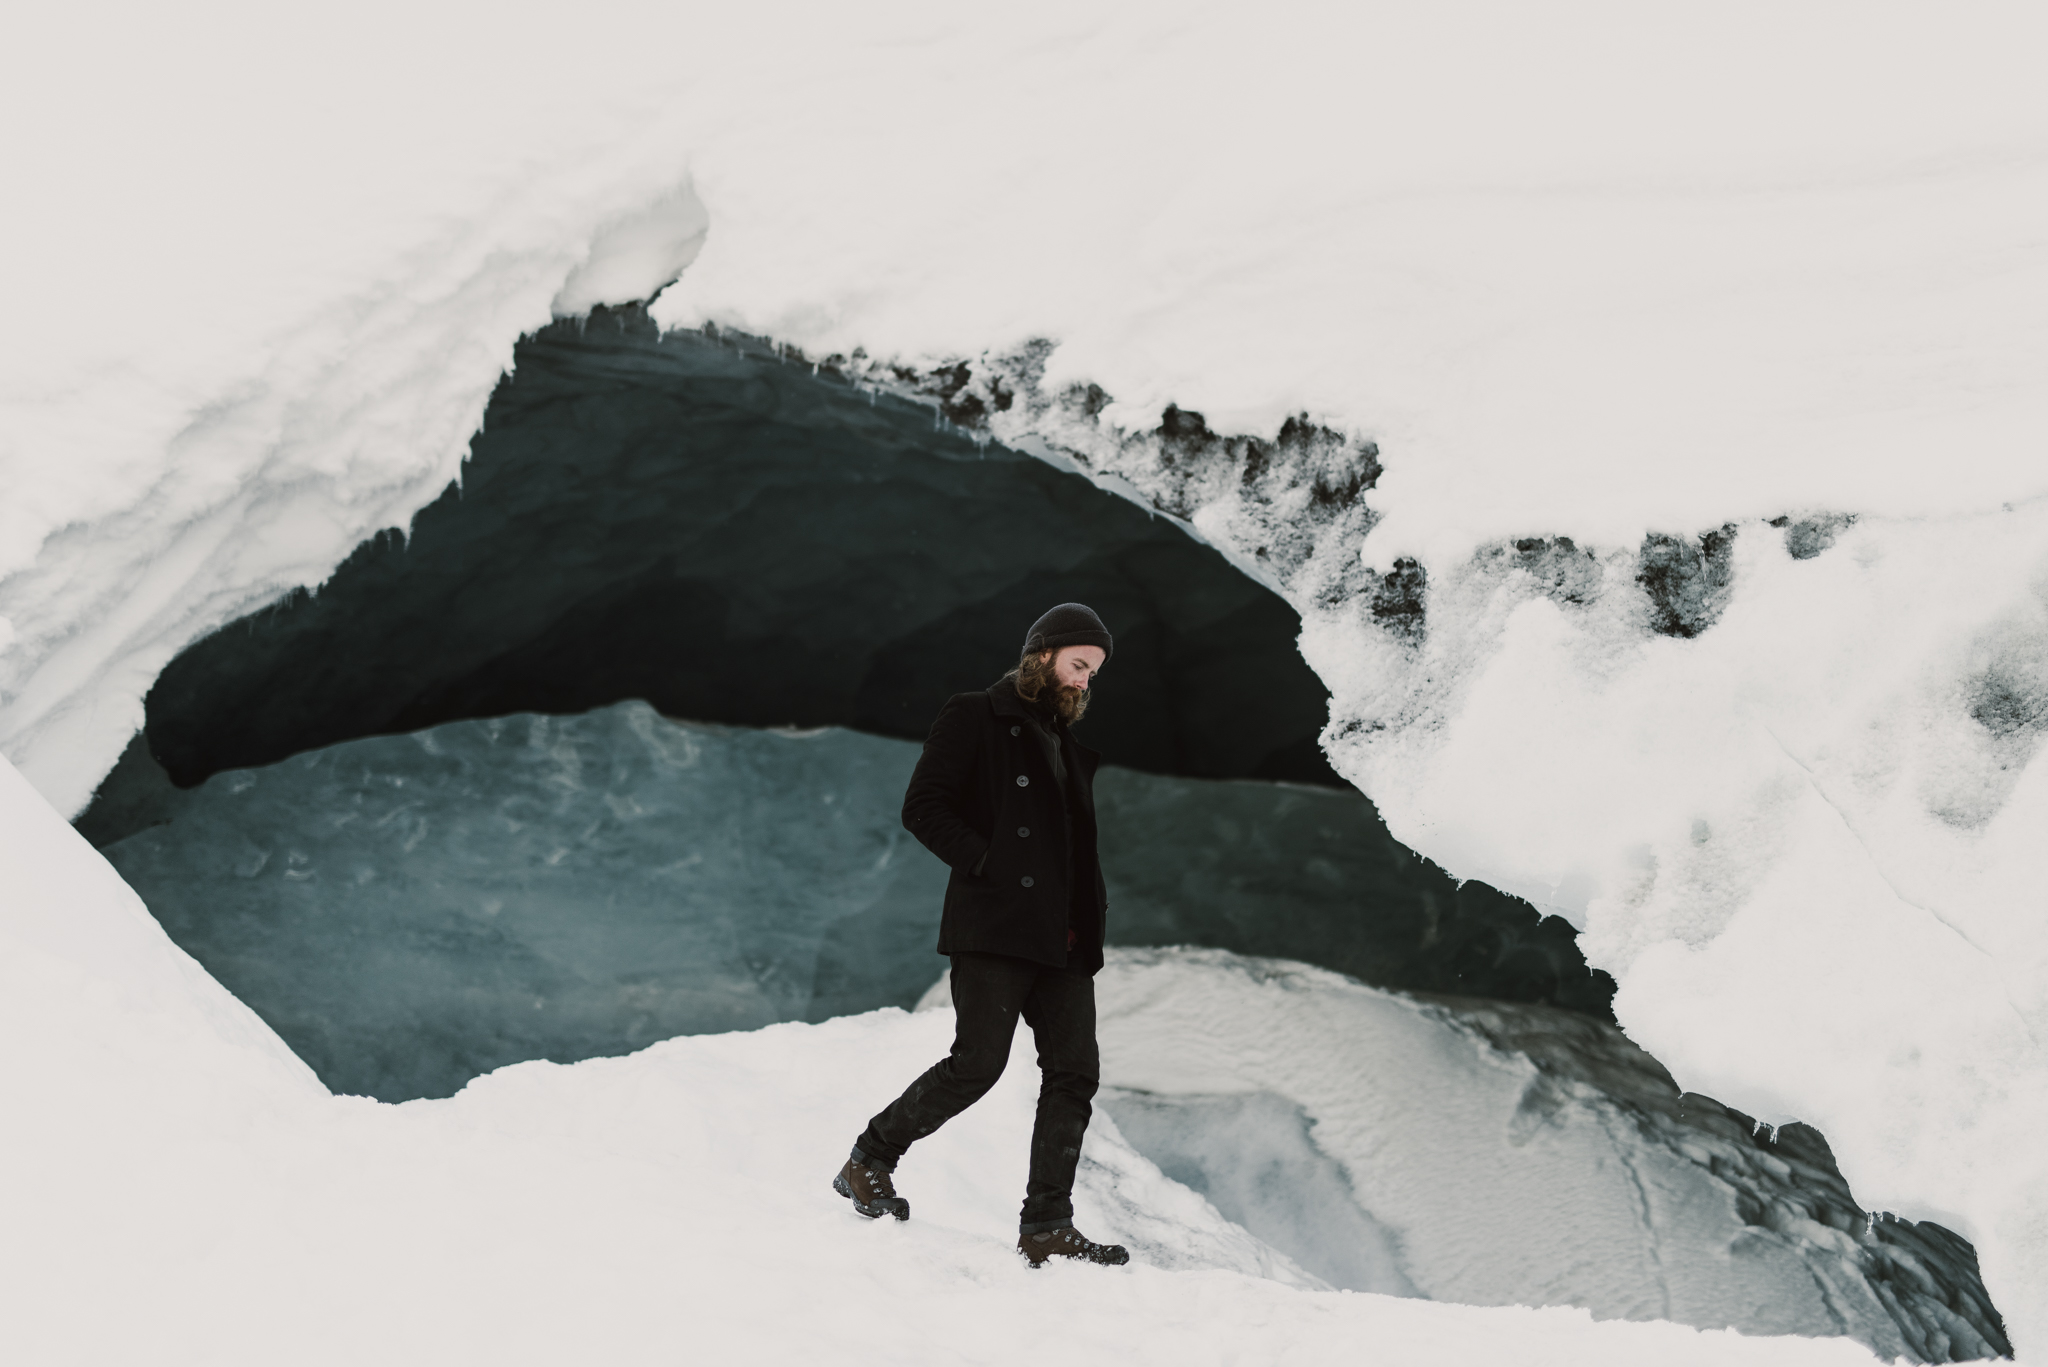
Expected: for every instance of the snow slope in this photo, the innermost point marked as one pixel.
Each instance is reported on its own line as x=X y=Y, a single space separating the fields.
x=1588 y=271
x=189 y=1194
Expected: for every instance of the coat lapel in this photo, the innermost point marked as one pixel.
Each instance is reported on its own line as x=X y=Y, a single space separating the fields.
x=1004 y=702
x=1084 y=761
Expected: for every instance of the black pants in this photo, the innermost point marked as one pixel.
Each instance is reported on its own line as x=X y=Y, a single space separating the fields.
x=989 y=992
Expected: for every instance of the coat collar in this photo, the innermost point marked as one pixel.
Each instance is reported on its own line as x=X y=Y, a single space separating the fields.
x=1004 y=702
x=1002 y=696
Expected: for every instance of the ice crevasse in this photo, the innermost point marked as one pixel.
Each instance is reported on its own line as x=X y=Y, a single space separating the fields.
x=1669 y=525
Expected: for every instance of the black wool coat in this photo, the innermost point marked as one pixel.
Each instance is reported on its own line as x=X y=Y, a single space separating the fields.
x=983 y=799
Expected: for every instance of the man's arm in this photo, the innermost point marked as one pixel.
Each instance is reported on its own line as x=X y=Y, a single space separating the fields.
x=934 y=806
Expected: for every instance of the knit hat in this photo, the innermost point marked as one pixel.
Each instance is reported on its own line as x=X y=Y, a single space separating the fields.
x=1069 y=624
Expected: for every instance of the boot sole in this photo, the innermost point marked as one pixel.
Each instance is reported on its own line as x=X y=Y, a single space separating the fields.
x=901 y=1208
x=1032 y=1262
x=1085 y=1262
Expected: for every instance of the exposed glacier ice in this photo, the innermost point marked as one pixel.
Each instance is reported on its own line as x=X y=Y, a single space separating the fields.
x=410 y=911
x=1252 y=1156
x=1495 y=1154
x=702 y=524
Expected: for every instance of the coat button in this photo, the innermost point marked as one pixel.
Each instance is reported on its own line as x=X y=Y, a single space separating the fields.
x=1027 y=880
x=1023 y=781
x=1023 y=830
x=1016 y=731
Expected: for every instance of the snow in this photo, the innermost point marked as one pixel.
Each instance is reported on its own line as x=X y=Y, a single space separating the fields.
x=197 y=1197
x=1589 y=271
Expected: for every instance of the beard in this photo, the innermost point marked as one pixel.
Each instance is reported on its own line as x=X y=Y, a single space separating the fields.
x=1036 y=683
x=1069 y=703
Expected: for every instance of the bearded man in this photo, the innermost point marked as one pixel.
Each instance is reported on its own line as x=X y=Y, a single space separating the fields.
x=1004 y=794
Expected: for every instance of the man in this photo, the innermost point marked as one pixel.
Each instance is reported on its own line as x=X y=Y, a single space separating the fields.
x=1004 y=794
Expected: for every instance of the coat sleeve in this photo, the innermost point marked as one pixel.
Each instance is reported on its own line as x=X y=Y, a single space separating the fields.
x=934 y=807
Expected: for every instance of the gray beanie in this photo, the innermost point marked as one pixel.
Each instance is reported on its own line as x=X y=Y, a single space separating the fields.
x=1069 y=624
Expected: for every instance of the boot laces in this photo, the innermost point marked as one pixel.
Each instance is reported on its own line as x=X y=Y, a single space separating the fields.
x=1076 y=1239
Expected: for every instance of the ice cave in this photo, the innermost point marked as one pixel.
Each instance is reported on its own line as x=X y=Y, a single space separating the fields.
x=1571 y=792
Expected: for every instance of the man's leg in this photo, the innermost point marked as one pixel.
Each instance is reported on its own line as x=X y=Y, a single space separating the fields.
x=1061 y=1012
x=989 y=992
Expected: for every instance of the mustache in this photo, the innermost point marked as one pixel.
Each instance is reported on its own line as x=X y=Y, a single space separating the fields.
x=1069 y=702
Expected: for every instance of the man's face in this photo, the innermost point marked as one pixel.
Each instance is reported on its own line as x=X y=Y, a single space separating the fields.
x=1076 y=665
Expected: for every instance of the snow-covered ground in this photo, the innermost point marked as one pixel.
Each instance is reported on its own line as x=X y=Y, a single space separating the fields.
x=188 y=1193
x=1590 y=271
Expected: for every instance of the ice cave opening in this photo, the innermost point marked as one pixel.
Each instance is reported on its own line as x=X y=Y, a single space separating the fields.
x=698 y=529
x=608 y=748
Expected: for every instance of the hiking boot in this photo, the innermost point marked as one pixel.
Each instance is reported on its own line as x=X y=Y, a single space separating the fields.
x=867 y=1185
x=1068 y=1243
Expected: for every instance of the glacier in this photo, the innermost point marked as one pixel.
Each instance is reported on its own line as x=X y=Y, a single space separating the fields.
x=1608 y=292
x=1507 y=1154
x=629 y=527
x=700 y=523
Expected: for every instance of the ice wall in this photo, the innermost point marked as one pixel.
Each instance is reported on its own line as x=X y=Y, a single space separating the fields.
x=1506 y=1155
x=411 y=911
x=711 y=527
